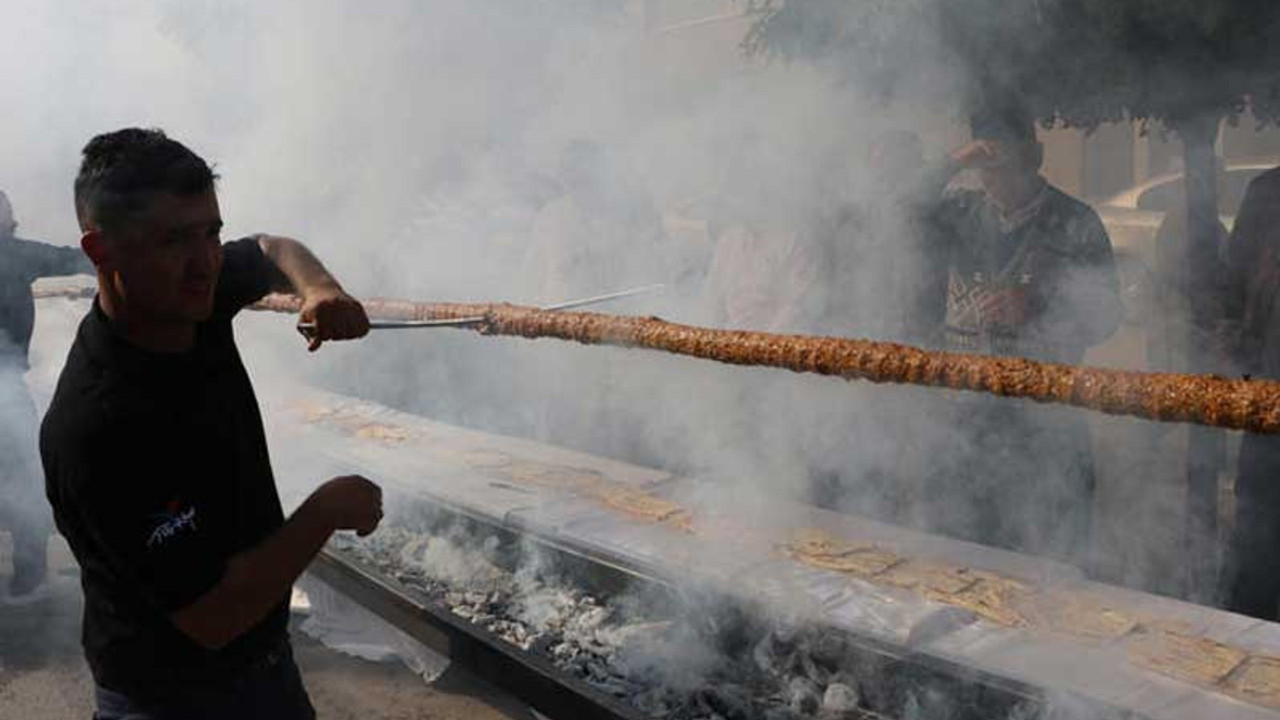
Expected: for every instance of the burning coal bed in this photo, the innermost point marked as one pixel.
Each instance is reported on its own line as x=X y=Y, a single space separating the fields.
x=685 y=657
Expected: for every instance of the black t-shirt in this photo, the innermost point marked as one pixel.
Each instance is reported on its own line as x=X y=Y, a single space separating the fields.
x=22 y=262
x=157 y=469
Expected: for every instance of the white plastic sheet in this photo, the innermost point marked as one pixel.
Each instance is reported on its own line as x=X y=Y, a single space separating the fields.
x=340 y=624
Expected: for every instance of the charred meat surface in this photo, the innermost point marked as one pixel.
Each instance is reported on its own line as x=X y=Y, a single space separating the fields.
x=1238 y=404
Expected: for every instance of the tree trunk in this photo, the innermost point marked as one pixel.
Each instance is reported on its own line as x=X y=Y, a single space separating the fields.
x=1206 y=447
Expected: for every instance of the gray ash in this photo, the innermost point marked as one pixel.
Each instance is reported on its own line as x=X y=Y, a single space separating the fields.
x=703 y=662
x=698 y=659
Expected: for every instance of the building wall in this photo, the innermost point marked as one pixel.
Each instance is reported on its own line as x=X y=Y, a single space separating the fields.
x=1119 y=155
x=706 y=35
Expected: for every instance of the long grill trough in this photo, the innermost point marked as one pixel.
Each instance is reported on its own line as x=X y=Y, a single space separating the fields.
x=581 y=636
x=592 y=588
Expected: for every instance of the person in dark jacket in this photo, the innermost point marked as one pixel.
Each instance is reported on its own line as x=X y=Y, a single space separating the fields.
x=1253 y=304
x=1015 y=267
x=22 y=506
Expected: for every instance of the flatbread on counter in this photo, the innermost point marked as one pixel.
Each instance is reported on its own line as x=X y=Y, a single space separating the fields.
x=1257 y=680
x=352 y=422
x=864 y=562
x=636 y=503
x=1189 y=658
x=682 y=521
x=814 y=542
x=925 y=577
x=385 y=433
x=1080 y=614
x=817 y=548
x=589 y=484
x=481 y=459
x=1152 y=623
x=552 y=477
x=316 y=413
x=992 y=597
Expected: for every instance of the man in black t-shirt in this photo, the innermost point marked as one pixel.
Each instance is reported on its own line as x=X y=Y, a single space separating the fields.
x=22 y=510
x=155 y=457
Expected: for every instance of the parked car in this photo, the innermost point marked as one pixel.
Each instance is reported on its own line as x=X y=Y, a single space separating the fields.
x=1133 y=217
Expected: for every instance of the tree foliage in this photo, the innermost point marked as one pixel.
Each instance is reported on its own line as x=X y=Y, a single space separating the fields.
x=1080 y=62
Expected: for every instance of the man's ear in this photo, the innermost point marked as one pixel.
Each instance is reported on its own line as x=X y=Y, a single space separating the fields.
x=95 y=246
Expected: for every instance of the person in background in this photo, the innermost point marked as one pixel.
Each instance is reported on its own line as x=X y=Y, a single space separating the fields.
x=1016 y=267
x=604 y=233
x=765 y=274
x=154 y=451
x=1252 y=579
x=820 y=266
x=22 y=506
x=854 y=457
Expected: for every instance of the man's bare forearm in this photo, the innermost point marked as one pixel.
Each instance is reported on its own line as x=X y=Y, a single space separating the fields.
x=303 y=270
x=335 y=314
x=256 y=581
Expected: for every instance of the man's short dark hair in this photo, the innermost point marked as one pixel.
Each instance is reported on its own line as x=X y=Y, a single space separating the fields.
x=121 y=170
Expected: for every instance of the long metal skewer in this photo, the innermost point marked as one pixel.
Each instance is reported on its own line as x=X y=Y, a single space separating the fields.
x=308 y=329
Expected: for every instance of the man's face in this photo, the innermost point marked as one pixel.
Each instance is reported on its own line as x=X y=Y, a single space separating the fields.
x=1010 y=169
x=165 y=261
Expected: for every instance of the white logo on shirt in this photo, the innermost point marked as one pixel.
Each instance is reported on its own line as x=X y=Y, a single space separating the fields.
x=174 y=523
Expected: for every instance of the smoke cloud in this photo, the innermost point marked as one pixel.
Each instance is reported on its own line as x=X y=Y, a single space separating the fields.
x=454 y=150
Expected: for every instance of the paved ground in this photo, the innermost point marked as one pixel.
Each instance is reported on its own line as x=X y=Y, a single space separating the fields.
x=43 y=675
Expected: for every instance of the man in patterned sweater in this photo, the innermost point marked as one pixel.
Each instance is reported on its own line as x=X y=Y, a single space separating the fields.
x=1016 y=267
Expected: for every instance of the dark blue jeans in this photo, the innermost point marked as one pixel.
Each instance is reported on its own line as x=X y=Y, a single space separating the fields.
x=271 y=691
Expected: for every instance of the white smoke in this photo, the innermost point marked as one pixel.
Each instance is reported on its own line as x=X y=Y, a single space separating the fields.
x=417 y=145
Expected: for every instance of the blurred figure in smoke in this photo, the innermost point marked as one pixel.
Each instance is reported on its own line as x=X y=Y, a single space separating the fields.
x=604 y=233
x=22 y=506
x=1253 y=301
x=765 y=273
x=1015 y=268
x=824 y=268
x=855 y=467
x=864 y=239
